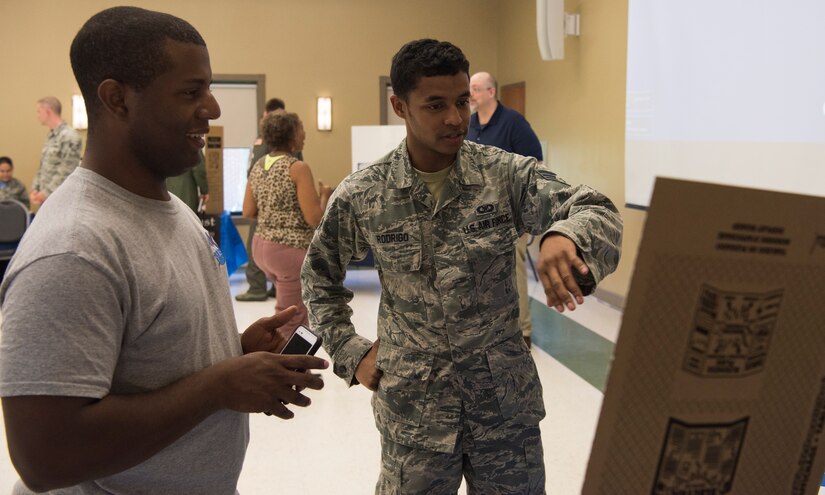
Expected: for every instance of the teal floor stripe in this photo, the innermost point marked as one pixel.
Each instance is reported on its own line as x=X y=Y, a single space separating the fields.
x=581 y=350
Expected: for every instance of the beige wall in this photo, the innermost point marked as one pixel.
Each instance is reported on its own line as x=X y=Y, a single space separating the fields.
x=306 y=48
x=340 y=48
x=577 y=104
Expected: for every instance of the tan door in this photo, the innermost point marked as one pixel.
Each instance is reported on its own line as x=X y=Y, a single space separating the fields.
x=514 y=96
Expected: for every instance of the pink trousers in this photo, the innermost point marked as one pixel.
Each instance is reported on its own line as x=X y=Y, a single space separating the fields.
x=282 y=266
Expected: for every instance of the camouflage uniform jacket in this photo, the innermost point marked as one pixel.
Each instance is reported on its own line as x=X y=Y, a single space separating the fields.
x=448 y=317
x=14 y=189
x=59 y=158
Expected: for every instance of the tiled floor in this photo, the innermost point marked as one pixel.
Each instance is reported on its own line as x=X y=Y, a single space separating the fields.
x=337 y=439
x=332 y=447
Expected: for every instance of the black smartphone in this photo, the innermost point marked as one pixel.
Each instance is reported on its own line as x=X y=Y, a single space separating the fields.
x=303 y=341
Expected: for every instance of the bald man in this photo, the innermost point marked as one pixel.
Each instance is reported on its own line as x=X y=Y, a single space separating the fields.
x=494 y=124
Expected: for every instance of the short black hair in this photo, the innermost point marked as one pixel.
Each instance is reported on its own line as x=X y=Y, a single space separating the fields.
x=126 y=44
x=275 y=104
x=425 y=58
x=5 y=159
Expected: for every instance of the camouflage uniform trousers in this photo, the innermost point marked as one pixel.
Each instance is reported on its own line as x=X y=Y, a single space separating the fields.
x=254 y=275
x=495 y=457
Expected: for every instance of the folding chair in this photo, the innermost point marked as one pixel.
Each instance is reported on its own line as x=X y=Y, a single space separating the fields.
x=14 y=220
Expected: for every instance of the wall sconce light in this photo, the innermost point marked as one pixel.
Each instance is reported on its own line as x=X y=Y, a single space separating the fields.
x=79 y=119
x=324 y=113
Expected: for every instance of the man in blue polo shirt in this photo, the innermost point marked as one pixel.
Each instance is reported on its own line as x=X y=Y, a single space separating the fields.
x=496 y=125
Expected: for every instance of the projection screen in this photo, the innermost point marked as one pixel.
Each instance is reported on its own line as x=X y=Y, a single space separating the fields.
x=726 y=91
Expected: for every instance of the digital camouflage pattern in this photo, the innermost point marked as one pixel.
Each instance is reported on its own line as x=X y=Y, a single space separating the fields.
x=448 y=317
x=59 y=158
x=508 y=461
x=14 y=189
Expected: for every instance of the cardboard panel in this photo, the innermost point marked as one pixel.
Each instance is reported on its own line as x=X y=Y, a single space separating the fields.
x=718 y=380
x=214 y=169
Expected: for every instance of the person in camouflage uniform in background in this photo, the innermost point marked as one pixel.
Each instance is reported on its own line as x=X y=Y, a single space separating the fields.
x=61 y=151
x=456 y=389
x=11 y=188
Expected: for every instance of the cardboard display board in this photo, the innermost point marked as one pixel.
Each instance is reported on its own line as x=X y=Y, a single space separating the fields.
x=213 y=155
x=718 y=379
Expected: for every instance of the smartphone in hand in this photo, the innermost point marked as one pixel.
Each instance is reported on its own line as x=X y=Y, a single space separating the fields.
x=302 y=341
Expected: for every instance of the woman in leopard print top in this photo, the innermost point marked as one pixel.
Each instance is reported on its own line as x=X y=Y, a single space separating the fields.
x=281 y=194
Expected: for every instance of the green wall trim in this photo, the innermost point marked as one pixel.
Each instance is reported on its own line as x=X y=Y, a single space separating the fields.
x=578 y=348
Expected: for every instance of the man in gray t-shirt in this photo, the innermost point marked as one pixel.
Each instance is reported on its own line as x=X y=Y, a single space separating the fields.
x=121 y=367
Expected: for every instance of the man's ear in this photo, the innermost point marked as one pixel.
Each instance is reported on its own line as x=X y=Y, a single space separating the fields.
x=113 y=96
x=399 y=106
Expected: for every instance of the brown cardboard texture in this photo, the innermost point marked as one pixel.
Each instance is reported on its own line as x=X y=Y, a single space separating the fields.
x=718 y=380
x=213 y=155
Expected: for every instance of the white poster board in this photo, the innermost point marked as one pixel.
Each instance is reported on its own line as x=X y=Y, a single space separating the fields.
x=235 y=166
x=718 y=380
x=371 y=142
x=239 y=113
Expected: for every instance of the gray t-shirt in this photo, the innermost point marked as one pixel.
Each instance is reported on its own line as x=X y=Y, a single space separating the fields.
x=113 y=293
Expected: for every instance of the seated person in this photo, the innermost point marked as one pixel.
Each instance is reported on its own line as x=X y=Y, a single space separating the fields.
x=11 y=188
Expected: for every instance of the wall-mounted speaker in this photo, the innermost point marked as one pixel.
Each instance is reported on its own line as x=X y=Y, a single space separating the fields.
x=552 y=24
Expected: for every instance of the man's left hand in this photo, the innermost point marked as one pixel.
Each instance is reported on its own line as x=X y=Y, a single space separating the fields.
x=557 y=260
x=267 y=333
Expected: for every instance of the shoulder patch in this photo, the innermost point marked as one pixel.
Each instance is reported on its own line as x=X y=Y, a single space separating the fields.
x=546 y=174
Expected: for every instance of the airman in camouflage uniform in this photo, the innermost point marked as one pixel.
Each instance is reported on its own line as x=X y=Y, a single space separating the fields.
x=456 y=390
x=60 y=154
x=11 y=188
